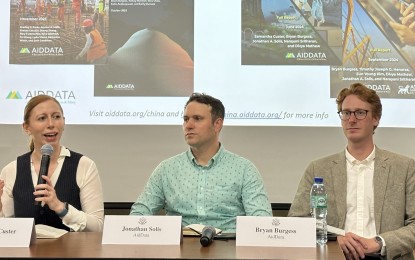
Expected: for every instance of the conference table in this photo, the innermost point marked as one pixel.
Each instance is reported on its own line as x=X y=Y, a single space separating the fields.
x=88 y=245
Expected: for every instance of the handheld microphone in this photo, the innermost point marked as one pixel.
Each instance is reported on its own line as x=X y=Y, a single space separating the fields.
x=46 y=150
x=208 y=233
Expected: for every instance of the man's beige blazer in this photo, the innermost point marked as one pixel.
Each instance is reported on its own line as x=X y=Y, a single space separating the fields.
x=394 y=197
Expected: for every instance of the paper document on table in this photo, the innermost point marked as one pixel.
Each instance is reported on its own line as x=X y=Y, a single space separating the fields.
x=197 y=229
x=44 y=231
x=335 y=230
x=188 y=232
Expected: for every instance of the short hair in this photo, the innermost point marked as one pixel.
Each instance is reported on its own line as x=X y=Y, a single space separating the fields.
x=33 y=102
x=363 y=93
x=217 y=108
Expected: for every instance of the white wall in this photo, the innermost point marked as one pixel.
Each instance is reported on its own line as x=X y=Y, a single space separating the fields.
x=126 y=155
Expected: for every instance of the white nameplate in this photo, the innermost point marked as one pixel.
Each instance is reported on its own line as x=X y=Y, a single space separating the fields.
x=144 y=230
x=275 y=231
x=17 y=232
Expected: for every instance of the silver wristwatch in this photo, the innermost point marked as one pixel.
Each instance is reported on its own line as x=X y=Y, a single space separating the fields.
x=379 y=240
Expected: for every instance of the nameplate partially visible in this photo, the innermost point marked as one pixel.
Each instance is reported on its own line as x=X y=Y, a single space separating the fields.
x=17 y=232
x=144 y=230
x=275 y=231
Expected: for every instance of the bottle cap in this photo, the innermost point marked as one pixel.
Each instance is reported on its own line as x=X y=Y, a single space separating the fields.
x=318 y=179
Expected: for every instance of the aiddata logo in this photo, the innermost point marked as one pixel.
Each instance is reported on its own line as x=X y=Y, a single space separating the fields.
x=290 y=55
x=127 y=86
x=14 y=95
x=311 y=56
x=24 y=51
x=381 y=88
x=47 y=51
x=64 y=96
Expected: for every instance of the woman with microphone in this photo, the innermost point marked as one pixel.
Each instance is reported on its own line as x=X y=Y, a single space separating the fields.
x=69 y=194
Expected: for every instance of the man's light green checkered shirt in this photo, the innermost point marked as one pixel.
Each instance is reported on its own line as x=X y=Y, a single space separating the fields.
x=213 y=195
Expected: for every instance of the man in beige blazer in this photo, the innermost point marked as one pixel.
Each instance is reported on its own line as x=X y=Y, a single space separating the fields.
x=371 y=192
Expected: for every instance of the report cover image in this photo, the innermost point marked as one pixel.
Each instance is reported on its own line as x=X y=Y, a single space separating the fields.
x=54 y=31
x=150 y=51
x=285 y=32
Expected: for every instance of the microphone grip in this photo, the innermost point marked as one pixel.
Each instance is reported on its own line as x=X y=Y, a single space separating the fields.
x=44 y=169
x=208 y=233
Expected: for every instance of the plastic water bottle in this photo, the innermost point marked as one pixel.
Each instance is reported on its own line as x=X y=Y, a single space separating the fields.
x=318 y=207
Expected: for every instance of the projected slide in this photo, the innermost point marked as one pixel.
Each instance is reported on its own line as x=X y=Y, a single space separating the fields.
x=373 y=53
x=151 y=50
x=272 y=62
x=280 y=33
x=51 y=32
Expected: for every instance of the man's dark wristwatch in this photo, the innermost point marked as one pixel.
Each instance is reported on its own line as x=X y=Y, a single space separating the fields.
x=379 y=240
